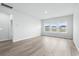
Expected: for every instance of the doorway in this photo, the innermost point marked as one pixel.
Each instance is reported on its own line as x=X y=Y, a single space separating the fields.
x=5 y=27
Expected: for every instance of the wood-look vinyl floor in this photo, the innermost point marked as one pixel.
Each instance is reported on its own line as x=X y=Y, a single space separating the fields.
x=39 y=46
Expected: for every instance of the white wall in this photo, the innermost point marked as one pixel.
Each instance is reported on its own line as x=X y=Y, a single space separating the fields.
x=76 y=26
x=25 y=26
x=59 y=20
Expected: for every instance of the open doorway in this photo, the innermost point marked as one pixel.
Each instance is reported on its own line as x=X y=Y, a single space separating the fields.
x=5 y=23
x=5 y=27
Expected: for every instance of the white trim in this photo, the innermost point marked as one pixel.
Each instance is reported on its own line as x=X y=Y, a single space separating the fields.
x=4 y=39
x=16 y=40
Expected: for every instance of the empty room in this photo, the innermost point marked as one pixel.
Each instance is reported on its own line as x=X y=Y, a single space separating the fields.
x=39 y=29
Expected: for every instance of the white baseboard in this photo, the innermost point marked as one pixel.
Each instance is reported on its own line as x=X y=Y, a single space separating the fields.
x=4 y=39
x=16 y=40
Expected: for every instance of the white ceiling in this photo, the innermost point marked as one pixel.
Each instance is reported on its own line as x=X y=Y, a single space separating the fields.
x=38 y=10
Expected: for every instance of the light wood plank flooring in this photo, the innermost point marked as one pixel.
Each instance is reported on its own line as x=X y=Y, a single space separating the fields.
x=39 y=46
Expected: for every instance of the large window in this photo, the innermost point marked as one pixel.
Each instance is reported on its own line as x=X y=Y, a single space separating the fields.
x=61 y=27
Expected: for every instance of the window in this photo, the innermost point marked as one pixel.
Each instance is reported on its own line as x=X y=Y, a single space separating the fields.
x=47 y=28
x=62 y=28
x=54 y=28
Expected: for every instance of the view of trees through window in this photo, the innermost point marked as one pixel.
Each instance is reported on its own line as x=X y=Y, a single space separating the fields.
x=61 y=28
